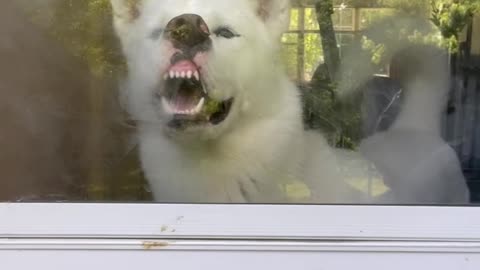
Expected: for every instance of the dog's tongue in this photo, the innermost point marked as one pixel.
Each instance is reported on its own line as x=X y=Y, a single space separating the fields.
x=185 y=98
x=183 y=66
x=183 y=103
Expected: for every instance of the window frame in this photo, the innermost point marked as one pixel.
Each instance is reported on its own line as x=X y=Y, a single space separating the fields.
x=240 y=222
x=56 y=227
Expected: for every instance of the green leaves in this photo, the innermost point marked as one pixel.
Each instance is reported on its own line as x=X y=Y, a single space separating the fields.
x=451 y=17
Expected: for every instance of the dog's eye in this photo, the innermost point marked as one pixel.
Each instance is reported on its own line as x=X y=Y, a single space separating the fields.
x=225 y=32
x=155 y=34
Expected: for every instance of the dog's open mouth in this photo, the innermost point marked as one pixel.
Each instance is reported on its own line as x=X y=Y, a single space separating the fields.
x=185 y=98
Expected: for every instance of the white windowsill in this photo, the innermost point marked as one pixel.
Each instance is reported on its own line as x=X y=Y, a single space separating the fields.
x=140 y=236
x=269 y=222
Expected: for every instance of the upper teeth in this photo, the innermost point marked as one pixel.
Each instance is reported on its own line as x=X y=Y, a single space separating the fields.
x=182 y=75
x=171 y=109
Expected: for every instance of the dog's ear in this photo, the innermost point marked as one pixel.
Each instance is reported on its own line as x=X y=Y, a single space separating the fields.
x=124 y=13
x=126 y=10
x=275 y=14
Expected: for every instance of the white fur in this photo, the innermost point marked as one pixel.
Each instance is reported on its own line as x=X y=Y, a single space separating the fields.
x=262 y=143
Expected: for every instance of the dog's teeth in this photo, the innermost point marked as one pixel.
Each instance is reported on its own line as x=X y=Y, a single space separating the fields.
x=183 y=74
x=172 y=74
x=166 y=106
x=189 y=74
x=197 y=76
x=199 y=106
x=177 y=74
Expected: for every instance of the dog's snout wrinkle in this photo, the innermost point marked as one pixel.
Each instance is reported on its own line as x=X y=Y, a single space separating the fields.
x=178 y=57
x=188 y=31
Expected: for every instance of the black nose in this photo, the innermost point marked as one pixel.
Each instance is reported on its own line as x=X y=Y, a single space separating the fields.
x=187 y=31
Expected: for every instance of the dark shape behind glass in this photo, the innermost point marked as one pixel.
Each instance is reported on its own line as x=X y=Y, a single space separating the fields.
x=43 y=112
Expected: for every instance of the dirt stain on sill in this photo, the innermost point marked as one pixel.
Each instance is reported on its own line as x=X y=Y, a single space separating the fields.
x=149 y=245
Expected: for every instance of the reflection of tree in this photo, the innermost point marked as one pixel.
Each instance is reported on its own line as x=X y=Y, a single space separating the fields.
x=451 y=17
x=324 y=10
x=339 y=120
x=85 y=28
x=404 y=22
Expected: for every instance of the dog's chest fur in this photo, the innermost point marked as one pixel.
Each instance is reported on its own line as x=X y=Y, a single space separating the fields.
x=248 y=165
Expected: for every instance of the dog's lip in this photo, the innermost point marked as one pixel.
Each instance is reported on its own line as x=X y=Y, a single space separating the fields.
x=170 y=109
x=183 y=122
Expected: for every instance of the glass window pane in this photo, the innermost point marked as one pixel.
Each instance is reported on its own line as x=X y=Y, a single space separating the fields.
x=343 y=18
x=290 y=54
x=313 y=54
x=294 y=15
x=369 y=16
x=311 y=22
x=235 y=102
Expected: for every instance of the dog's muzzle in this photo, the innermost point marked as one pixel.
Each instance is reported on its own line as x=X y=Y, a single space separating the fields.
x=185 y=95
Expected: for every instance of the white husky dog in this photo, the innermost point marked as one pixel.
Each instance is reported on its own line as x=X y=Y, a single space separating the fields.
x=218 y=119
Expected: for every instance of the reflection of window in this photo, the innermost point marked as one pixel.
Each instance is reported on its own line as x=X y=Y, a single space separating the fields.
x=302 y=43
x=370 y=15
x=344 y=19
